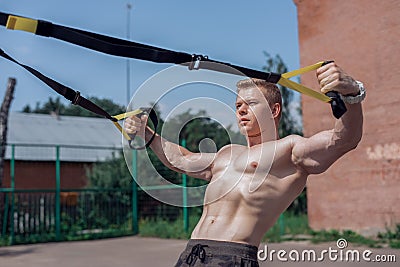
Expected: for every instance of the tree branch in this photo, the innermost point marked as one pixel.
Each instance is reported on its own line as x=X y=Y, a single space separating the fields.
x=4 y=111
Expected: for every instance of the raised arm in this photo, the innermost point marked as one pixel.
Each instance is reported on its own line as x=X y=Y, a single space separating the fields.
x=173 y=156
x=318 y=152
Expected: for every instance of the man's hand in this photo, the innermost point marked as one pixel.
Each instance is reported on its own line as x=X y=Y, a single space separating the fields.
x=332 y=78
x=134 y=125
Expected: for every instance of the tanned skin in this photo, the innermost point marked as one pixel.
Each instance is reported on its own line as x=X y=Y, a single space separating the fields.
x=250 y=186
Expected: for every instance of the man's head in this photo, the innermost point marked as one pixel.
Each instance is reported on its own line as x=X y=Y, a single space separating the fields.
x=259 y=98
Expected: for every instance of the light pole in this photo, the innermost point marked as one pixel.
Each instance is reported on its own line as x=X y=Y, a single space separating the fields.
x=128 y=63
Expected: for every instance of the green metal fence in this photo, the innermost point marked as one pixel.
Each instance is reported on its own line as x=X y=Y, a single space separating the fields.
x=41 y=215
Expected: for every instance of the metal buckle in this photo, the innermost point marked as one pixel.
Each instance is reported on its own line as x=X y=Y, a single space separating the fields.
x=195 y=62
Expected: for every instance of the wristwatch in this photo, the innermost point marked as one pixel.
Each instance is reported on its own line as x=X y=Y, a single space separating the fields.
x=355 y=99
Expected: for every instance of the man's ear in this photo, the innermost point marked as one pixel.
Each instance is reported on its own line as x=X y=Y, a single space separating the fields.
x=275 y=110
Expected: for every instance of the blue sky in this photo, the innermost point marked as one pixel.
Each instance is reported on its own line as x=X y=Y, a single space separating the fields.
x=236 y=32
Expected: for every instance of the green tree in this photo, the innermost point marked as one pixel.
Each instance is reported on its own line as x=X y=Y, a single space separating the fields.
x=56 y=106
x=51 y=106
x=195 y=127
x=112 y=173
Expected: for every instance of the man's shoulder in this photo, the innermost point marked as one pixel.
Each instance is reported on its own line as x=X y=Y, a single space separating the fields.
x=291 y=140
x=230 y=147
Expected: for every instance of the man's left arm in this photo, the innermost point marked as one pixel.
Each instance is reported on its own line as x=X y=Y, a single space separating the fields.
x=318 y=152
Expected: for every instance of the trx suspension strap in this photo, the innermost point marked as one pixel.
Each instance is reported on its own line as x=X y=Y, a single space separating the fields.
x=77 y=99
x=123 y=48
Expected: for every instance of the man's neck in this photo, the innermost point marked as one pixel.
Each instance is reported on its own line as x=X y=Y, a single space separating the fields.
x=260 y=138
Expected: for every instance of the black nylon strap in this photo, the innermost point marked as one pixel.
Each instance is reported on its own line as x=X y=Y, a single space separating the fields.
x=68 y=93
x=77 y=99
x=124 y=48
x=3 y=18
x=116 y=47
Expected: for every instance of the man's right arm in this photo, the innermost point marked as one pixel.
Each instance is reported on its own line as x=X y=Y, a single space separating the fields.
x=173 y=156
x=318 y=152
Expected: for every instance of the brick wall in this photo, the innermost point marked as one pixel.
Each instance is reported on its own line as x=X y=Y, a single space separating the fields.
x=35 y=175
x=362 y=190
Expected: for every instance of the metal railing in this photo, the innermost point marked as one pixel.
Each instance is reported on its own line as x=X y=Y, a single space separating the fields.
x=41 y=215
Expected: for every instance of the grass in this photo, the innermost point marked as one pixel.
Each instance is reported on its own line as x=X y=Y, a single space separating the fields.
x=288 y=227
x=291 y=227
x=350 y=236
x=164 y=228
x=392 y=237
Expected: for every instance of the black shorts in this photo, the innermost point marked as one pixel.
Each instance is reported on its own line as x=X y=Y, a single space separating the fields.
x=203 y=252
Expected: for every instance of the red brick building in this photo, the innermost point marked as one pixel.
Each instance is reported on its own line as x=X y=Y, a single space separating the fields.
x=362 y=190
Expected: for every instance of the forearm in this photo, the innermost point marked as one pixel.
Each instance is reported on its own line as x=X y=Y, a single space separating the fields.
x=318 y=152
x=169 y=153
x=348 y=129
x=180 y=159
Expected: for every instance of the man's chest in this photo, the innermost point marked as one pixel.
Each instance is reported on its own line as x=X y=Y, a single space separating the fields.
x=254 y=174
x=258 y=160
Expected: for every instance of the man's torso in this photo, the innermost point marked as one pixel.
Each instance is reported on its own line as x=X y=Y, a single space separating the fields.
x=249 y=189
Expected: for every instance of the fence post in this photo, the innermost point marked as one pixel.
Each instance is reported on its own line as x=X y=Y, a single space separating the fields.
x=58 y=204
x=5 y=215
x=12 y=183
x=135 y=218
x=281 y=225
x=184 y=197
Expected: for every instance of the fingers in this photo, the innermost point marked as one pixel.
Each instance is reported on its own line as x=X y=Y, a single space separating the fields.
x=332 y=78
x=328 y=77
x=134 y=124
x=131 y=125
x=329 y=86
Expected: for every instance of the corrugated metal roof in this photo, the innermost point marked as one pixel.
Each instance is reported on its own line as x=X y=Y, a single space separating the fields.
x=42 y=130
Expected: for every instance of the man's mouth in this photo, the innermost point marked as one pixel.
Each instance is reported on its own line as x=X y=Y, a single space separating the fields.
x=243 y=121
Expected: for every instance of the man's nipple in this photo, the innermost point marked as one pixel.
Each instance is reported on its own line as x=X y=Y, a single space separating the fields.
x=254 y=164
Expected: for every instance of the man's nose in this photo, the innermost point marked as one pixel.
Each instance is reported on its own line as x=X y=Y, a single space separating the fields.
x=242 y=109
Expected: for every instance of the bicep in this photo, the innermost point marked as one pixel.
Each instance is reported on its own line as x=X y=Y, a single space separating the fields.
x=316 y=153
x=179 y=159
x=197 y=165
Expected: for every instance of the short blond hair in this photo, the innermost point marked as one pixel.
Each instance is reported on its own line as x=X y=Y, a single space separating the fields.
x=270 y=91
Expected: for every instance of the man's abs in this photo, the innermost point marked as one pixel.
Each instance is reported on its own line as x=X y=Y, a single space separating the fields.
x=243 y=216
x=240 y=227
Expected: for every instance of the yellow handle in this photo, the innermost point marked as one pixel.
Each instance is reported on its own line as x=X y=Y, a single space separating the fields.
x=284 y=81
x=124 y=116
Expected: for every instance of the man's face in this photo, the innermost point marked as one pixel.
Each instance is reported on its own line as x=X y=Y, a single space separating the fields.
x=252 y=112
